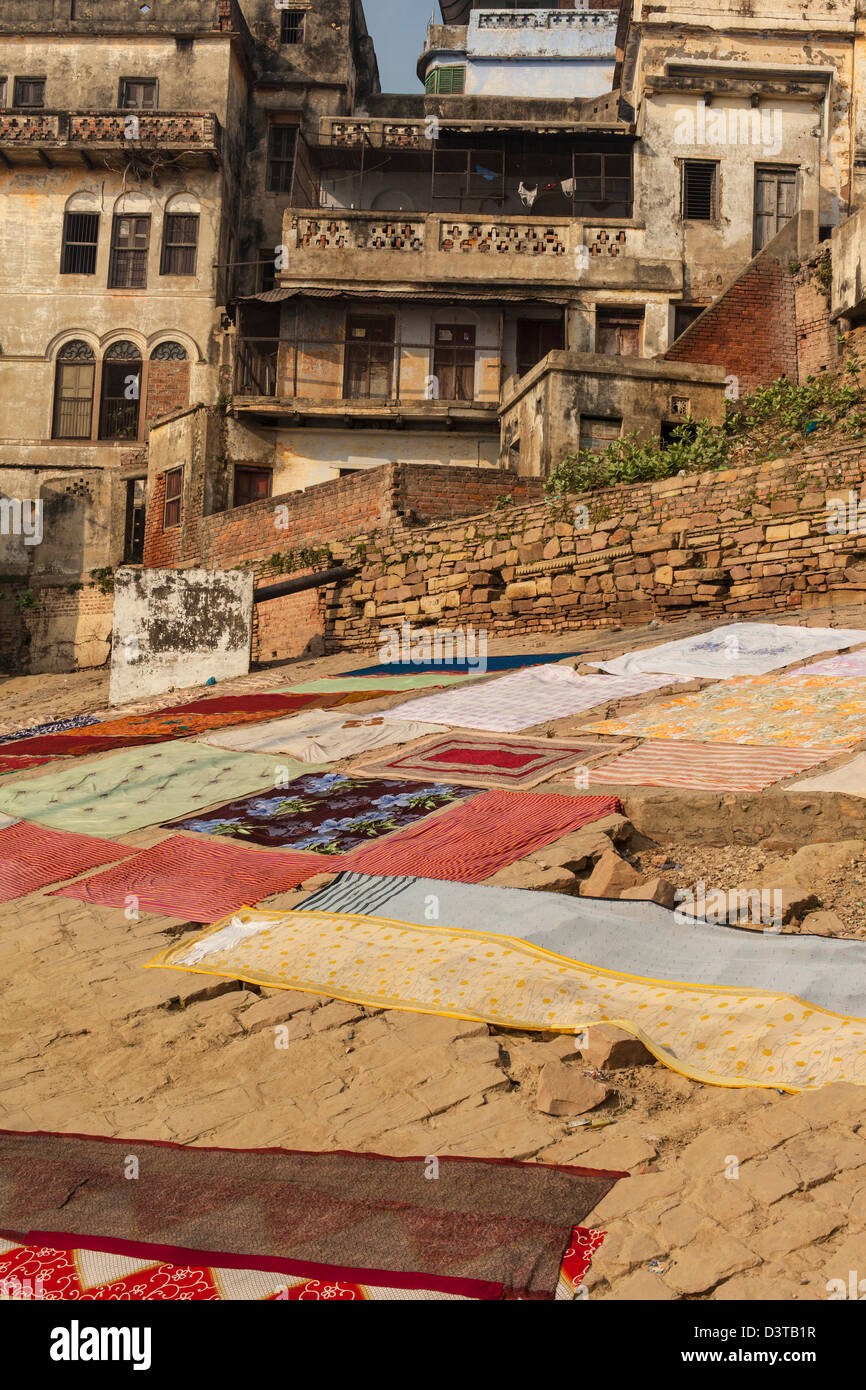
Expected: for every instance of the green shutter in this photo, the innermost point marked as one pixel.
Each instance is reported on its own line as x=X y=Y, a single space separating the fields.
x=445 y=81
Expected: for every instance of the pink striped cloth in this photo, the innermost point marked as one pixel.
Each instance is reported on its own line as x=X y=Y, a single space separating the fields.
x=732 y=767
x=474 y=839
x=851 y=664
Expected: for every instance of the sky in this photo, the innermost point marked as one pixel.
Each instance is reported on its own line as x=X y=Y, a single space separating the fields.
x=398 y=28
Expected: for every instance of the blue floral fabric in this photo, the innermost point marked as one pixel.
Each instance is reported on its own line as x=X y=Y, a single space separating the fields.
x=328 y=813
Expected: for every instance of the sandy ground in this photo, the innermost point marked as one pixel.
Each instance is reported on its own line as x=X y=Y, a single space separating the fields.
x=733 y=1193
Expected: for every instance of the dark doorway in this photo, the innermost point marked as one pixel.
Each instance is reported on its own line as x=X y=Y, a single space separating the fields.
x=369 y=357
x=133 y=545
x=535 y=339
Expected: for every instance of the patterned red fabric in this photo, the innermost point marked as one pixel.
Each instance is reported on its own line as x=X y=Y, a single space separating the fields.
x=32 y=856
x=485 y=760
x=196 y=879
x=31 y=1272
x=471 y=841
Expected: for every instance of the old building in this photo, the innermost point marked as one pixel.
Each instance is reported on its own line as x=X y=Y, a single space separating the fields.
x=143 y=163
x=235 y=269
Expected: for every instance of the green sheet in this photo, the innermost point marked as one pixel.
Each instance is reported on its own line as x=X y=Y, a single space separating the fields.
x=142 y=786
x=333 y=684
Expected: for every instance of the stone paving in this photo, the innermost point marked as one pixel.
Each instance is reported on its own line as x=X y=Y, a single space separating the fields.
x=733 y=1193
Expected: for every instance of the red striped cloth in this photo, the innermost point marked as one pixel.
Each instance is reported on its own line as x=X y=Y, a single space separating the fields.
x=471 y=841
x=712 y=767
x=32 y=856
x=196 y=879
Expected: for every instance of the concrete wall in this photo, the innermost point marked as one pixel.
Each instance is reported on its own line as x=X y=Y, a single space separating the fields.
x=849 y=271
x=541 y=414
x=175 y=629
x=307 y=456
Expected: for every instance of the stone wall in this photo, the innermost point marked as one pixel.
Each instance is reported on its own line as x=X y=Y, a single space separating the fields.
x=53 y=627
x=737 y=541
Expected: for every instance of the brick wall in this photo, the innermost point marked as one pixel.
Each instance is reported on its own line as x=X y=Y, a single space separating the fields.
x=289 y=626
x=62 y=628
x=167 y=389
x=750 y=330
x=356 y=506
x=773 y=321
x=735 y=541
x=817 y=348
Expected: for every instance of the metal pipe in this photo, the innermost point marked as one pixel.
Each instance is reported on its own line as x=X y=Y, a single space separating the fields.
x=317 y=580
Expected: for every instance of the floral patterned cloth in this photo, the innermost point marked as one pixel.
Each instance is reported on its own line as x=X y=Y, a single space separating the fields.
x=328 y=813
x=795 y=711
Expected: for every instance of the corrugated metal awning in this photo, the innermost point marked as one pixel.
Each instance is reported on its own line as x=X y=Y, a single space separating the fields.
x=450 y=296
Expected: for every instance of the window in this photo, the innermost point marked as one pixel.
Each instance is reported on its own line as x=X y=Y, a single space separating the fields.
x=535 y=339
x=169 y=352
x=251 y=484
x=130 y=242
x=292 y=26
x=618 y=332
x=29 y=91
x=80 y=238
x=179 y=244
x=282 y=140
x=602 y=185
x=700 y=190
x=448 y=81
x=133 y=542
x=73 y=391
x=121 y=392
x=454 y=361
x=171 y=512
x=369 y=357
x=775 y=201
x=685 y=314
x=266 y=271
x=597 y=431
x=138 y=93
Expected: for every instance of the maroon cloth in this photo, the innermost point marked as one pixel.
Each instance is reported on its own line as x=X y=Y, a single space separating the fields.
x=228 y=704
x=80 y=745
x=196 y=879
x=493 y=1220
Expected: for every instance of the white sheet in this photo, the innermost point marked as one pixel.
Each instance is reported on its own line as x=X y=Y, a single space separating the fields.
x=738 y=649
x=318 y=736
x=525 y=699
x=850 y=778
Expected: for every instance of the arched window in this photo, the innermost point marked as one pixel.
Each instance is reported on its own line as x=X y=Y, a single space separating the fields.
x=169 y=352
x=121 y=392
x=73 y=390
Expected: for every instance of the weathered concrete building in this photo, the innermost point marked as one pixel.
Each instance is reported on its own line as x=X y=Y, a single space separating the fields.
x=234 y=269
x=144 y=153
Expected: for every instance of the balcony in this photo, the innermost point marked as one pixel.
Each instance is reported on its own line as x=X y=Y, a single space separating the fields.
x=499 y=257
x=66 y=137
x=383 y=379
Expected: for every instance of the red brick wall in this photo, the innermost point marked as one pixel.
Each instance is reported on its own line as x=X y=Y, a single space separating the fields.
x=167 y=389
x=162 y=549
x=356 y=505
x=817 y=349
x=289 y=626
x=750 y=330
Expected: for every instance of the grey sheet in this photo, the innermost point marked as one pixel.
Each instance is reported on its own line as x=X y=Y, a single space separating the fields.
x=629 y=938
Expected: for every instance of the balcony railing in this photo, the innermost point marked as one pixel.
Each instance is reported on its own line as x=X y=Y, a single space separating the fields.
x=345 y=371
x=176 y=131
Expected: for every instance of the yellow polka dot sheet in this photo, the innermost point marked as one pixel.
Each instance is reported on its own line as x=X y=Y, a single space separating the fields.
x=726 y=1037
